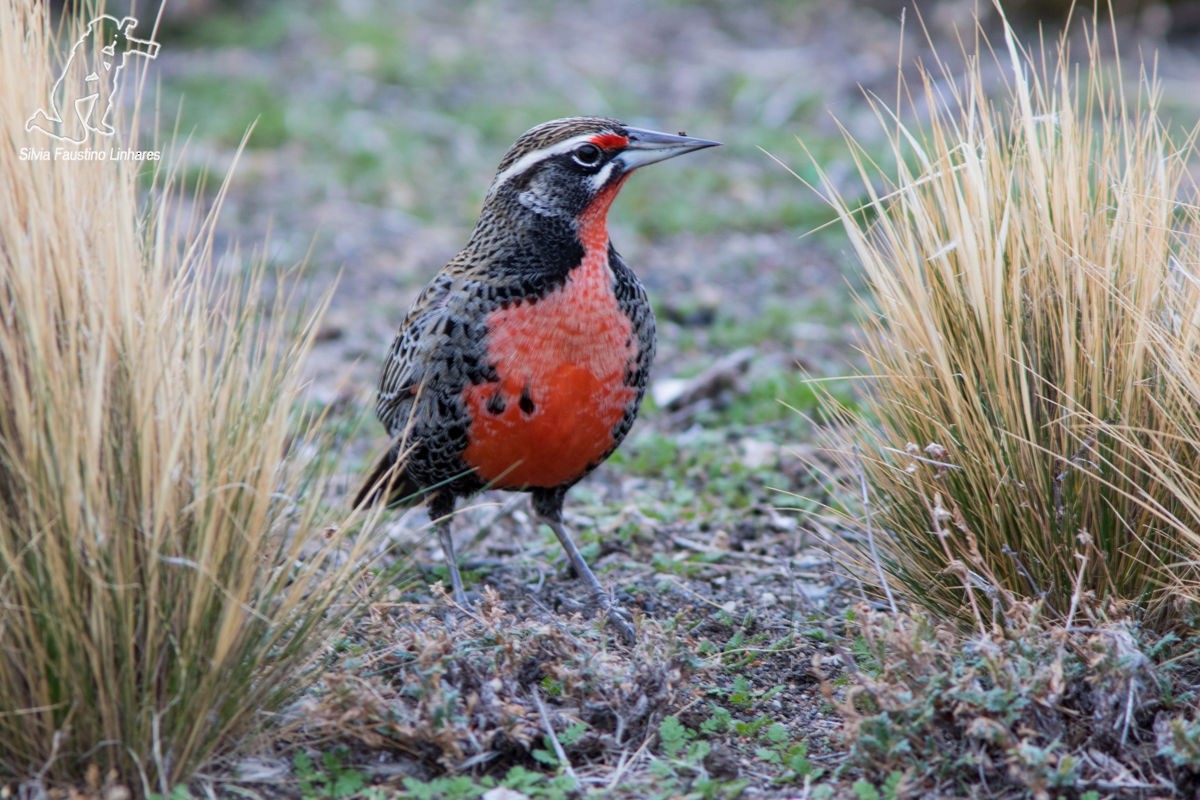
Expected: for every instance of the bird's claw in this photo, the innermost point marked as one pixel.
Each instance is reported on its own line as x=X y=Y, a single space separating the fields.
x=619 y=618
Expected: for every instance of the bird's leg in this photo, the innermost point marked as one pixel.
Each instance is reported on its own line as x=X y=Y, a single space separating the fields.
x=441 y=507
x=456 y=584
x=616 y=615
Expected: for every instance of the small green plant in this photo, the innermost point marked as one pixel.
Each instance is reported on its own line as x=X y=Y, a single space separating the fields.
x=566 y=739
x=448 y=787
x=1031 y=705
x=741 y=695
x=331 y=779
x=682 y=767
x=744 y=648
x=1182 y=745
x=792 y=759
x=531 y=784
x=673 y=736
x=180 y=792
x=538 y=785
x=771 y=742
x=888 y=790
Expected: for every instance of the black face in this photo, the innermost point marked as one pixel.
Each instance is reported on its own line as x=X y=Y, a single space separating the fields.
x=564 y=185
x=556 y=169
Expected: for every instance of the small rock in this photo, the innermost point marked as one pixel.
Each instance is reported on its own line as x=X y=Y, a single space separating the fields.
x=329 y=332
x=665 y=390
x=504 y=793
x=757 y=454
x=673 y=394
x=722 y=763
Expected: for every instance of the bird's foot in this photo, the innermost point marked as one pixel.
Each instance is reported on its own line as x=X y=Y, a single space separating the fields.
x=466 y=602
x=618 y=618
x=454 y=604
x=456 y=610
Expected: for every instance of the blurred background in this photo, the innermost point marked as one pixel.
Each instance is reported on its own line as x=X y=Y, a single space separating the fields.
x=377 y=126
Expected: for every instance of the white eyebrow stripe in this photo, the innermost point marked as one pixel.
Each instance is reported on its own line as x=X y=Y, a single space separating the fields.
x=529 y=159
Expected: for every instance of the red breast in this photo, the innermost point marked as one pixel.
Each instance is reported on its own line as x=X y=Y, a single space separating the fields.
x=562 y=361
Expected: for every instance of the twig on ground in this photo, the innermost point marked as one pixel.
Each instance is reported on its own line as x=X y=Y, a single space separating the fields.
x=552 y=736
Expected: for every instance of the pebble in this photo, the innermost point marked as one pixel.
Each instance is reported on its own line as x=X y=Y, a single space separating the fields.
x=504 y=793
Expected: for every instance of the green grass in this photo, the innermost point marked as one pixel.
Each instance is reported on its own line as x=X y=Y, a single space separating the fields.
x=774 y=321
x=219 y=110
x=375 y=145
x=267 y=27
x=701 y=479
x=688 y=200
x=777 y=399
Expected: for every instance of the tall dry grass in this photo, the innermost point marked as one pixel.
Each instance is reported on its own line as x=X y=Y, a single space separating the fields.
x=165 y=576
x=1032 y=421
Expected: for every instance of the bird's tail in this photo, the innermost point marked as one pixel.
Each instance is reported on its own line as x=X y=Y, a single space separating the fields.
x=388 y=483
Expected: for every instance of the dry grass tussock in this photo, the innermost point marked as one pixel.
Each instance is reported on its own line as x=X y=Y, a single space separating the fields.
x=161 y=584
x=1032 y=425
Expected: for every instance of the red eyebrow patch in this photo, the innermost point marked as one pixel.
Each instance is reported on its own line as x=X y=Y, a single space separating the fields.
x=609 y=141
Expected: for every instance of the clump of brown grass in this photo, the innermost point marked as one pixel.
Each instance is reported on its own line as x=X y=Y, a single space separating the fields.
x=162 y=581
x=1032 y=427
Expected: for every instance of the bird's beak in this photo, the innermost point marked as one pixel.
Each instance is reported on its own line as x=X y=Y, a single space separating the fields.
x=648 y=147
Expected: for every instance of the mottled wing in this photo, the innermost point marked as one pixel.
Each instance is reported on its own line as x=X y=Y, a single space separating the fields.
x=631 y=297
x=437 y=353
x=409 y=370
x=411 y=356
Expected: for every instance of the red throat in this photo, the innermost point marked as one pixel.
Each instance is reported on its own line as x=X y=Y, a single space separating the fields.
x=593 y=222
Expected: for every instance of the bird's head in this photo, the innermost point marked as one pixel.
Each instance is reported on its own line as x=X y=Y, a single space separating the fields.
x=566 y=167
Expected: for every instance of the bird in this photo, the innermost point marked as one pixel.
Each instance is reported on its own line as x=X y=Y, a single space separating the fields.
x=522 y=364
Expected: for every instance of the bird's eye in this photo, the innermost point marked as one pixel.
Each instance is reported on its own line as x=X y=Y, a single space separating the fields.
x=587 y=155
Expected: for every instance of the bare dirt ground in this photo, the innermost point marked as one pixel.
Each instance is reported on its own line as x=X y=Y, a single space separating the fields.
x=391 y=126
